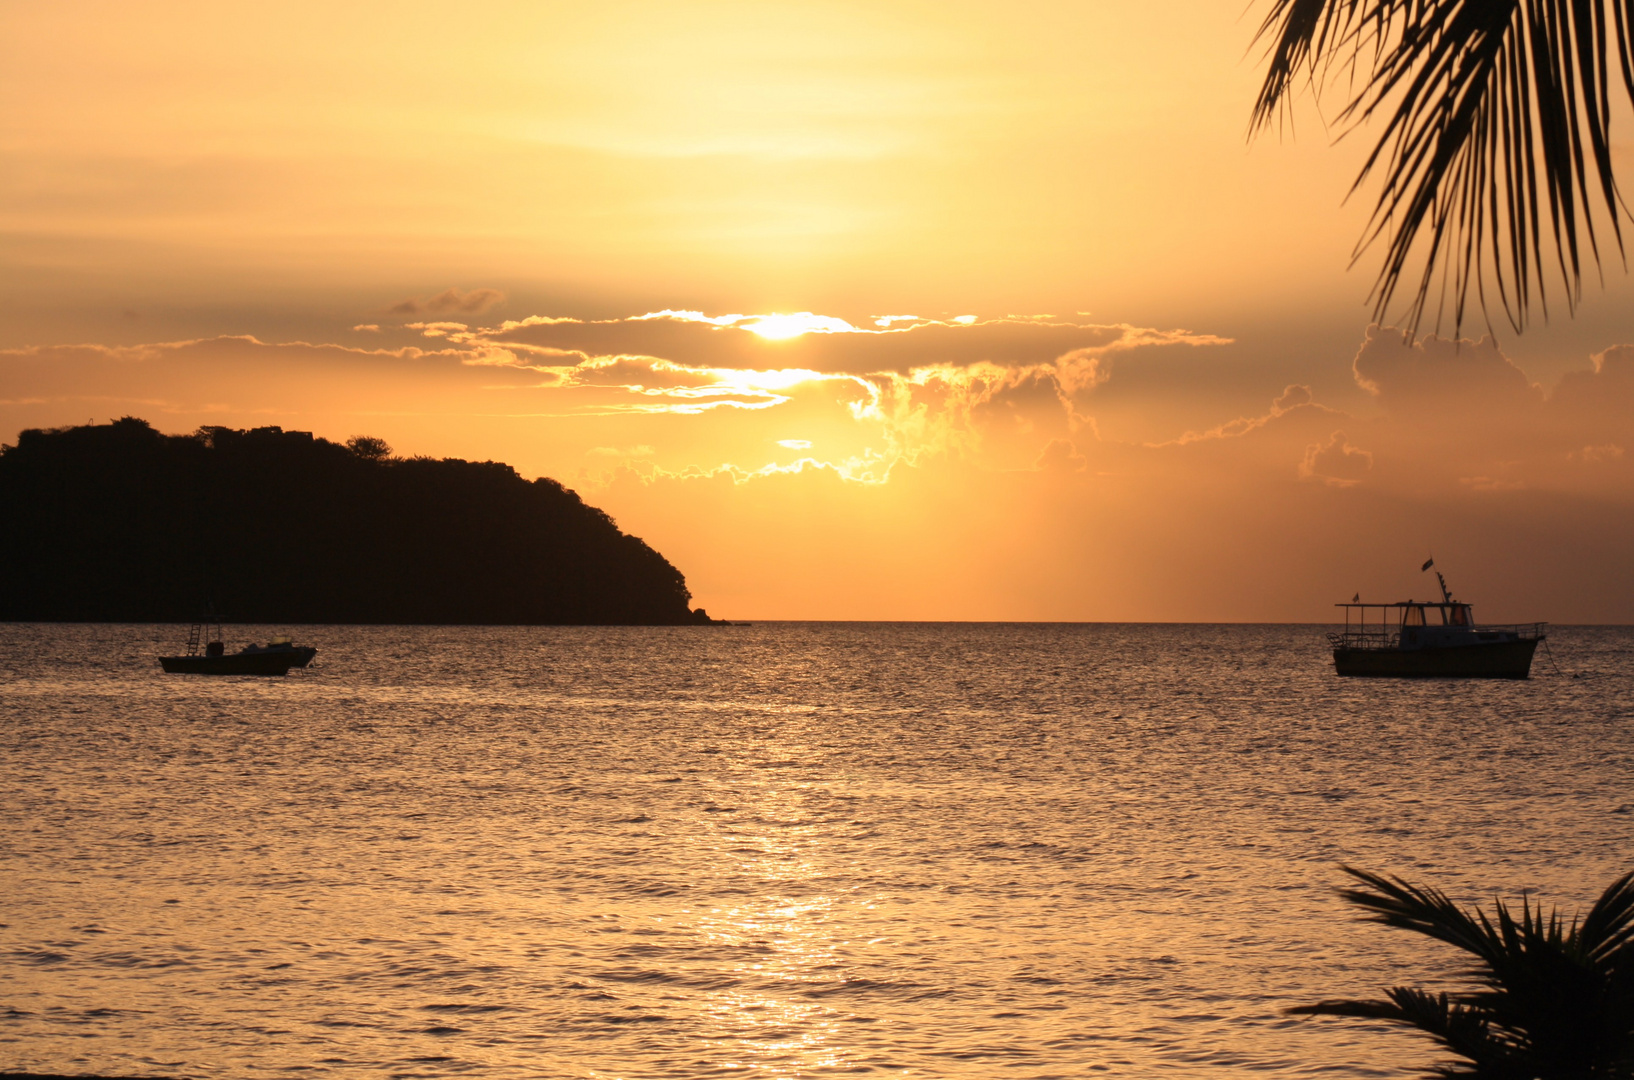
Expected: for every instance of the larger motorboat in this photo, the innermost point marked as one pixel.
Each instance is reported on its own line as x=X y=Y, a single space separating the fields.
x=1407 y=642
x=207 y=655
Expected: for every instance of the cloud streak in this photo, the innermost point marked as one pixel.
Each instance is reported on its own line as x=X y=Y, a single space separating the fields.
x=450 y=301
x=1006 y=394
x=936 y=384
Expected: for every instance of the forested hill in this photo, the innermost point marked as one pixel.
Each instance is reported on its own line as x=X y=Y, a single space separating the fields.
x=119 y=523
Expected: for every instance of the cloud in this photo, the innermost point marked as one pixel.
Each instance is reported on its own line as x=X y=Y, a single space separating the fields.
x=833 y=345
x=181 y=384
x=448 y=301
x=1001 y=394
x=1491 y=484
x=1463 y=413
x=1292 y=397
x=939 y=386
x=533 y=320
x=776 y=326
x=1337 y=462
x=455 y=330
x=1603 y=396
x=1434 y=374
x=1060 y=455
x=1595 y=455
x=370 y=328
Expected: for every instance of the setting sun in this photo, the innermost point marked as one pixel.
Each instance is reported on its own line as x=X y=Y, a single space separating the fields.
x=781 y=327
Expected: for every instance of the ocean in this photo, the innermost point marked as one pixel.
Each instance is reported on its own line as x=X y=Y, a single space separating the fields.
x=781 y=850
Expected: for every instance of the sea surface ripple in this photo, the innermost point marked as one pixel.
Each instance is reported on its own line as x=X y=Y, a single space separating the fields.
x=786 y=850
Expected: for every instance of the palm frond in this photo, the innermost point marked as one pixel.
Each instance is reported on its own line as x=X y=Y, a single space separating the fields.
x=1496 y=148
x=1545 y=998
x=1422 y=910
x=1461 y=1029
x=1608 y=928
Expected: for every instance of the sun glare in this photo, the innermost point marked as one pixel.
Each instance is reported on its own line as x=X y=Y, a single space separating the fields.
x=777 y=326
x=773 y=326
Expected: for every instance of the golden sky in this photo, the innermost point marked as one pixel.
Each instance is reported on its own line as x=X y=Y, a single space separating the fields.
x=896 y=310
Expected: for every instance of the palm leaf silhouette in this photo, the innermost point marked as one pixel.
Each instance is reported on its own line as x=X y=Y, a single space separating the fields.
x=1547 y=1000
x=1496 y=148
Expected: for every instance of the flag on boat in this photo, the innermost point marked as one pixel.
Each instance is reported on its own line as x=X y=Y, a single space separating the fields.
x=1427 y=564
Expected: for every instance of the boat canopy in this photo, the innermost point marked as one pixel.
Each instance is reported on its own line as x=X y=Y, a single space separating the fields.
x=1413 y=612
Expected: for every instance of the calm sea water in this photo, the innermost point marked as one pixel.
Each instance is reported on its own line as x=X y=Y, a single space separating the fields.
x=787 y=850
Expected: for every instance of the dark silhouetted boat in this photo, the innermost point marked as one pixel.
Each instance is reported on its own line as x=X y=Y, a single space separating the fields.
x=1428 y=639
x=206 y=655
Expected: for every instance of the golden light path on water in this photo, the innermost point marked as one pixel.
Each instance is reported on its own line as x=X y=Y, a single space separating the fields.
x=786 y=933
x=780 y=1029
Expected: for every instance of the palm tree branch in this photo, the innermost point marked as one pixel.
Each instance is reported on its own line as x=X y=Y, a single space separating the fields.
x=1546 y=998
x=1490 y=109
x=1459 y=1028
x=1608 y=928
x=1422 y=910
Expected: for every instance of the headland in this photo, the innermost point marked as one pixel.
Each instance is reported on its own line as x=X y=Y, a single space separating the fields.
x=119 y=522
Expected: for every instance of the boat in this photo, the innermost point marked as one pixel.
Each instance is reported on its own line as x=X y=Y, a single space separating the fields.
x=1407 y=642
x=207 y=655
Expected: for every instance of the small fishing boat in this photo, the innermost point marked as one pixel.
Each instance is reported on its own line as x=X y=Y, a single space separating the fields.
x=1407 y=642
x=207 y=655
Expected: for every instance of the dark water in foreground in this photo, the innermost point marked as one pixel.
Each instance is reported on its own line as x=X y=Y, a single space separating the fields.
x=788 y=850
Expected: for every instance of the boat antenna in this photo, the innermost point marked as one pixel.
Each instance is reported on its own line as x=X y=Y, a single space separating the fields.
x=1446 y=597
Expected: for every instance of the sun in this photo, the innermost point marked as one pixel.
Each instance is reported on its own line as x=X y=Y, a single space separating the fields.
x=779 y=327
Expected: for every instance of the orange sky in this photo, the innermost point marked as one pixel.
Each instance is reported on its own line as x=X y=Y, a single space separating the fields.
x=1132 y=377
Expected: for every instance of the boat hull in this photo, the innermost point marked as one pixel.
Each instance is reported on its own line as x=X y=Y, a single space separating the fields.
x=265 y=662
x=1486 y=660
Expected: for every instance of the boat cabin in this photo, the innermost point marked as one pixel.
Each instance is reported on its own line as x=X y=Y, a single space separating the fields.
x=1407 y=622
x=1414 y=613
x=1419 y=624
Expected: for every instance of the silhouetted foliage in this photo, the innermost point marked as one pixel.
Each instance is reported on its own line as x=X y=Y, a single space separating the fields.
x=368 y=447
x=1497 y=139
x=1549 y=1001
x=119 y=523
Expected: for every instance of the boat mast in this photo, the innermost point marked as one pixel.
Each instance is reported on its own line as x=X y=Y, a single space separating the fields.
x=1446 y=595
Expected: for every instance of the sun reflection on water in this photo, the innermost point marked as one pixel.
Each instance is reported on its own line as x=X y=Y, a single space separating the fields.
x=790 y=935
